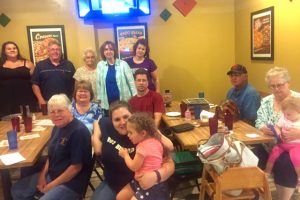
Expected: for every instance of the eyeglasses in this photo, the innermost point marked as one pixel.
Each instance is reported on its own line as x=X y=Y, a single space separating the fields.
x=108 y=49
x=82 y=91
x=54 y=49
x=235 y=75
x=279 y=85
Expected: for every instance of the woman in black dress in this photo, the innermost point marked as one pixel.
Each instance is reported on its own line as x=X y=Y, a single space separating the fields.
x=15 y=85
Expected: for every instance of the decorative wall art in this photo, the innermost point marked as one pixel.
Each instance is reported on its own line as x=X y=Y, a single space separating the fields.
x=126 y=35
x=262 y=34
x=40 y=36
x=184 y=6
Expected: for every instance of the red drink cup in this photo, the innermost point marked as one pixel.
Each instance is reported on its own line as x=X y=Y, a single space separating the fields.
x=44 y=109
x=183 y=108
x=213 y=125
x=15 y=122
x=28 y=124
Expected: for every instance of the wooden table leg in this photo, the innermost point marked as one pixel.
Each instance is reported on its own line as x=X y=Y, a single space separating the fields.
x=6 y=184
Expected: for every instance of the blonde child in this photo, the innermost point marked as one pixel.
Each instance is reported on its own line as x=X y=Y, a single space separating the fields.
x=148 y=157
x=290 y=118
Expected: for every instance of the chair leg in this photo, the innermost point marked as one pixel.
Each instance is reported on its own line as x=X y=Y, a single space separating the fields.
x=91 y=186
x=98 y=174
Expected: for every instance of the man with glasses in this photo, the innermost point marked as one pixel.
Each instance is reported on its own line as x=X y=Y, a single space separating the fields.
x=68 y=167
x=53 y=75
x=243 y=94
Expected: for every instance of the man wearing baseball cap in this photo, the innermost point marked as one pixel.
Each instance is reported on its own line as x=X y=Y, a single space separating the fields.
x=243 y=94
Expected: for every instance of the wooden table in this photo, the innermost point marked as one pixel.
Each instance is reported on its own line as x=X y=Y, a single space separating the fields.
x=30 y=149
x=189 y=139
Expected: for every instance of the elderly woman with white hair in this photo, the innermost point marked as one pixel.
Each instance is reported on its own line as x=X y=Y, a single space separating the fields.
x=67 y=169
x=88 y=71
x=285 y=177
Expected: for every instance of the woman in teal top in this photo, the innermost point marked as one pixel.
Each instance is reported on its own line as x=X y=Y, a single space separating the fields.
x=114 y=79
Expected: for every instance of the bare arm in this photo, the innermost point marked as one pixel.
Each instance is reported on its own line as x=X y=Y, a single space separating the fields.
x=155 y=78
x=290 y=134
x=167 y=143
x=37 y=92
x=266 y=130
x=133 y=164
x=67 y=175
x=157 y=118
x=147 y=180
x=30 y=65
x=96 y=139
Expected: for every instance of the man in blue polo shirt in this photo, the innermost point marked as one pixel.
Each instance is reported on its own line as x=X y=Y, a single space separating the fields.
x=53 y=75
x=243 y=94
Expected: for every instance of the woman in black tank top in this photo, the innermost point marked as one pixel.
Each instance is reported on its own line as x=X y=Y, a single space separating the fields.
x=15 y=76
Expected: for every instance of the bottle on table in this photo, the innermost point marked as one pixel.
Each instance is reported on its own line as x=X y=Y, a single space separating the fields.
x=218 y=112
x=167 y=98
x=188 y=115
x=27 y=119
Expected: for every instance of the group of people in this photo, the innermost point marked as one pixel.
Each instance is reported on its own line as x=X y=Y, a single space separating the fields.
x=95 y=121
x=277 y=115
x=103 y=119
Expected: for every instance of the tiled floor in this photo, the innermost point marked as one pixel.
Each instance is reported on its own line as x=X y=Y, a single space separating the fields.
x=191 y=193
x=187 y=194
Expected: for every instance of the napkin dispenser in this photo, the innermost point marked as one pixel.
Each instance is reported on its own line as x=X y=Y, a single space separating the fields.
x=204 y=104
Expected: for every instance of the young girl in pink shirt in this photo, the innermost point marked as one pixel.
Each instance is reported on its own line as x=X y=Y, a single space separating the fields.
x=290 y=119
x=148 y=157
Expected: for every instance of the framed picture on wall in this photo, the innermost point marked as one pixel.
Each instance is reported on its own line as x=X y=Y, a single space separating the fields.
x=40 y=36
x=126 y=36
x=262 y=34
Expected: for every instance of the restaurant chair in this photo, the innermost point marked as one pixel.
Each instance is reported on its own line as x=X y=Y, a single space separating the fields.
x=245 y=182
x=90 y=171
x=188 y=167
x=97 y=164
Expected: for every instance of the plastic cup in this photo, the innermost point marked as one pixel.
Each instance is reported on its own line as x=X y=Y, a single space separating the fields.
x=201 y=95
x=15 y=122
x=213 y=125
x=197 y=111
x=12 y=139
x=44 y=109
x=228 y=121
x=28 y=124
x=183 y=108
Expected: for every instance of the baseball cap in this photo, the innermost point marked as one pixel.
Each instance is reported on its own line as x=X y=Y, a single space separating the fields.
x=237 y=69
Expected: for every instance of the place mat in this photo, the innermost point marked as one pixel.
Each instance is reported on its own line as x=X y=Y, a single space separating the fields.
x=31 y=136
x=11 y=158
x=38 y=128
x=44 y=122
x=252 y=135
x=4 y=143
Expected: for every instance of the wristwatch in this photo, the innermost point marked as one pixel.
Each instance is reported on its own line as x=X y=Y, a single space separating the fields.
x=158 y=176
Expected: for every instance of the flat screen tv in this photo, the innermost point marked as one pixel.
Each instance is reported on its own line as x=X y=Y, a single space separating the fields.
x=112 y=8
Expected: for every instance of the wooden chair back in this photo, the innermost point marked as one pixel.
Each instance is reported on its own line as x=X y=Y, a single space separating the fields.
x=251 y=180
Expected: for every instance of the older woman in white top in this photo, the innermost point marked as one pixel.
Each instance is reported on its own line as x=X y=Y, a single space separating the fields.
x=278 y=80
x=88 y=71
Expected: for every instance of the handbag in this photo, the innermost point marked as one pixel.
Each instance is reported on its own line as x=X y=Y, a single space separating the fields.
x=248 y=157
x=219 y=152
x=229 y=106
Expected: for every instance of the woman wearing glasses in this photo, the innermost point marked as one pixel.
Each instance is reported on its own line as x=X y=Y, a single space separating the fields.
x=269 y=112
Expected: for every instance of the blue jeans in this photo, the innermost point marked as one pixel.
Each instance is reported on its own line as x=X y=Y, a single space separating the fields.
x=104 y=191
x=25 y=189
